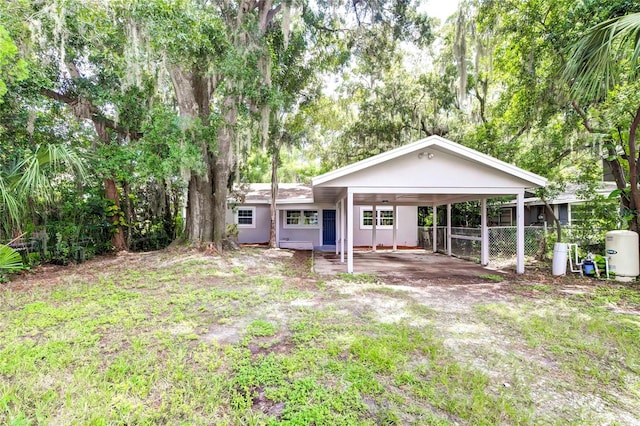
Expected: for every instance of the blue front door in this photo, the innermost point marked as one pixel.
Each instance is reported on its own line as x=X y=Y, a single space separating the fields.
x=328 y=227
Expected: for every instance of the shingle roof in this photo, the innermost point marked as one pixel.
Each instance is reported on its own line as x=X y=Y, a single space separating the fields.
x=260 y=193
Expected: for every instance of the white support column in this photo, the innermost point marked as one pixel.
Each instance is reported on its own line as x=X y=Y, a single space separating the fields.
x=336 y=225
x=449 y=252
x=520 y=232
x=484 y=233
x=320 y=227
x=277 y=228
x=350 y=230
x=395 y=227
x=374 y=242
x=342 y=222
x=435 y=229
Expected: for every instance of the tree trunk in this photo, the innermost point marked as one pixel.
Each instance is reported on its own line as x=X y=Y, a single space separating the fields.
x=193 y=93
x=556 y=222
x=223 y=164
x=274 y=195
x=633 y=170
x=111 y=193
x=129 y=211
x=200 y=211
x=168 y=221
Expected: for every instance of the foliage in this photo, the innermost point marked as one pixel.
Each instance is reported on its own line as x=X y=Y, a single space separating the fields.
x=169 y=103
x=10 y=260
x=12 y=68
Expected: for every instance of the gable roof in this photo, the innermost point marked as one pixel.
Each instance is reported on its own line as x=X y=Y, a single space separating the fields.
x=433 y=141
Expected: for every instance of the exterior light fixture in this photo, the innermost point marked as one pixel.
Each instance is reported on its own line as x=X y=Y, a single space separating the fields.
x=429 y=155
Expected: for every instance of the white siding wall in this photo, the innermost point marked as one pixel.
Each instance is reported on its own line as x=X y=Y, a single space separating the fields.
x=407 y=234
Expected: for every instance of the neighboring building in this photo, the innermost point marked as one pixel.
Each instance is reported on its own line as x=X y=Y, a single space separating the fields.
x=570 y=207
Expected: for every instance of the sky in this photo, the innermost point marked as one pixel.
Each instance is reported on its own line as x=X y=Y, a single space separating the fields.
x=440 y=9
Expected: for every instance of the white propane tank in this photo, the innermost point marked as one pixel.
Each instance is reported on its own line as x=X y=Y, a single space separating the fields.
x=623 y=254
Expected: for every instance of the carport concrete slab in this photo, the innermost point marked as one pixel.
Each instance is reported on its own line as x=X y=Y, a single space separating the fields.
x=412 y=265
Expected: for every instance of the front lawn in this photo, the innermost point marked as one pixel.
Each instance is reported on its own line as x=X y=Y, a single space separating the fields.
x=253 y=337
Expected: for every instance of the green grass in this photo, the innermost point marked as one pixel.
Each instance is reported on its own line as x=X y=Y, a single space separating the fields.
x=133 y=345
x=360 y=278
x=492 y=277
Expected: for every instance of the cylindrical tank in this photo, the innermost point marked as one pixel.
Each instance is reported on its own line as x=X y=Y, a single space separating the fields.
x=623 y=254
x=559 y=266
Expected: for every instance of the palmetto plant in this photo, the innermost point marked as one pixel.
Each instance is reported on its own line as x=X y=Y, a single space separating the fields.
x=10 y=260
x=594 y=66
x=27 y=184
x=608 y=55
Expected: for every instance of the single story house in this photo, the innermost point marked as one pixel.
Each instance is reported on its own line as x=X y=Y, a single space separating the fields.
x=304 y=224
x=374 y=201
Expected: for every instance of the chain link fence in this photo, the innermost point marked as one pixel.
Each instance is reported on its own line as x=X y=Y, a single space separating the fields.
x=503 y=240
x=466 y=242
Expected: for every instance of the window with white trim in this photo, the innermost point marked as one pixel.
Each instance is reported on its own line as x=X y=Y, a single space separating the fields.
x=246 y=217
x=301 y=219
x=384 y=219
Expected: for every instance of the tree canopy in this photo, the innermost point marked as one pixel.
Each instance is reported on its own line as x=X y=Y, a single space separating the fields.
x=163 y=107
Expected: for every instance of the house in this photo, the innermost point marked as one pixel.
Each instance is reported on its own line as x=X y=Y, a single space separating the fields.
x=568 y=206
x=304 y=224
x=374 y=201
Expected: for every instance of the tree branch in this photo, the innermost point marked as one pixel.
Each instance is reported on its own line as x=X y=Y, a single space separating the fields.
x=93 y=113
x=585 y=119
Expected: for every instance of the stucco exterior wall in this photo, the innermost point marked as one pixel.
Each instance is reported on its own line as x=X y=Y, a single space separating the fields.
x=262 y=221
x=407 y=233
x=307 y=233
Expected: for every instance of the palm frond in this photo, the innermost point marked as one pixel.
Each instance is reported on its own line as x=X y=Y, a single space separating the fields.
x=9 y=206
x=592 y=68
x=10 y=259
x=33 y=182
x=55 y=155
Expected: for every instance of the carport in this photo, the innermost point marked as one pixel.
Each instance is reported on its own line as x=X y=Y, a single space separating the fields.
x=431 y=172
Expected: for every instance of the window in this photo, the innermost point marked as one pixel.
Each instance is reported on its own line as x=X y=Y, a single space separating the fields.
x=367 y=217
x=245 y=217
x=385 y=219
x=301 y=218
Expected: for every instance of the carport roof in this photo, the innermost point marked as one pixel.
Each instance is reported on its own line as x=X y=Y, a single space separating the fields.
x=431 y=171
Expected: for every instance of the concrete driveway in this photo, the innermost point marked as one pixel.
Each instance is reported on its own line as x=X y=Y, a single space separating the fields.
x=404 y=265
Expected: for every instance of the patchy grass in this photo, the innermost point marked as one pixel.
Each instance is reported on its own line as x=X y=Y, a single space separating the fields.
x=492 y=277
x=360 y=278
x=241 y=339
x=593 y=349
